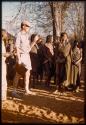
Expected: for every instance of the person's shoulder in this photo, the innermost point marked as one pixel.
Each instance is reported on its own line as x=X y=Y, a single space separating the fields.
x=18 y=34
x=68 y=44
x=78 y=49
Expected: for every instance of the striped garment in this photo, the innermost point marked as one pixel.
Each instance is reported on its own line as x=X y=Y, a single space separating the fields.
x=76 y=54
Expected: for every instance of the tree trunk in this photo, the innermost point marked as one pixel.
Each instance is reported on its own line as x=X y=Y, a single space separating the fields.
x=61 y=29
x=55 y=18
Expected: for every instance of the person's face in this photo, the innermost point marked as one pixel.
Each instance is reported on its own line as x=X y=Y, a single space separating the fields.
x=77 y=44
x=4 y=35
x=51 y=39
x=65 y=37
x=39 y=41
x=26 y=28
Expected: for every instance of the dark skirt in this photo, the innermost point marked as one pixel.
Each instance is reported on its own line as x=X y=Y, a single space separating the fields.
x=20 y=69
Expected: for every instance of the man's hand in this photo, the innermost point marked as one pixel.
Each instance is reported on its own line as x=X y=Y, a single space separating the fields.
x=19 y=61
x=6 y=54
x=36 y=38
x=34 y=42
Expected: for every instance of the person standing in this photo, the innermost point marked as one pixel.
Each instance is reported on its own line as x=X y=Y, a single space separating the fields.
x=48 y=59
x=63 y=63
x=4 y=55
x=23 y=48
x=76 y=65
x=34 y=61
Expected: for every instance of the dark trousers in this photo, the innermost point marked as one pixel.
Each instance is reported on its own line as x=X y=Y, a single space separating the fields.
x=60 y=74
x=49 y=71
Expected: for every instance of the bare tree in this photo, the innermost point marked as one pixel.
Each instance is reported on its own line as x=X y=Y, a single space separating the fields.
x=55 y=22
x=17 y=14
x=49 y=17
x=75 y=20
x=58 y=10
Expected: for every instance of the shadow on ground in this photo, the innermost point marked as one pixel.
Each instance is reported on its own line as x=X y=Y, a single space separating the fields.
x=44 y=107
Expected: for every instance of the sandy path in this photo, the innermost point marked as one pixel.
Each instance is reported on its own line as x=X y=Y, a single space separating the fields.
x=44 y=107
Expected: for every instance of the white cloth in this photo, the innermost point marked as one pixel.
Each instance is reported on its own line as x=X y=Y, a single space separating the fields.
x=23 y=43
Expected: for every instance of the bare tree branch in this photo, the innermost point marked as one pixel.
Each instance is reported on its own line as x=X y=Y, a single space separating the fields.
x=14 y=19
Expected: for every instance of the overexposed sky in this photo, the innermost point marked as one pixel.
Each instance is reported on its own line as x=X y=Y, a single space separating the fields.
x=9 y=10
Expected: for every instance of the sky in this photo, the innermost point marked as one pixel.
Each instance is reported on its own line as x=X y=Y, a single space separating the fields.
x=9 y=10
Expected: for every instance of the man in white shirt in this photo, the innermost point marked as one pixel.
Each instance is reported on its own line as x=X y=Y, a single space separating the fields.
x=23 y=48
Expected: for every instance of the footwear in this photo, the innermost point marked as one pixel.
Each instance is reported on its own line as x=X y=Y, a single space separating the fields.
x=30 y=92
x=77 y=89
x=56 y=91
x=14 y=94
x=70 y=87
x=47 y=85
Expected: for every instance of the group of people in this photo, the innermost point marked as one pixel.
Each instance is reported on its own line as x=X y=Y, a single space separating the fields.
x=68 y=64
x=33 y=57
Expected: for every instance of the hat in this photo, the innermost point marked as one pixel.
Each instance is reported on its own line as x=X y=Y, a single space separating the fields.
x=25 y=22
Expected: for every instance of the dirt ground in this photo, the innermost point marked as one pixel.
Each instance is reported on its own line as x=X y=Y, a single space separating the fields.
x=44 y=107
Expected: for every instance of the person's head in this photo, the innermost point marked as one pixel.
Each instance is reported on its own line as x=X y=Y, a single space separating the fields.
x=25 y=25
x=75 y=43
x=4 y=35
x=32 y=37
x=40 y=39
x=64 y=36
x=49 y=39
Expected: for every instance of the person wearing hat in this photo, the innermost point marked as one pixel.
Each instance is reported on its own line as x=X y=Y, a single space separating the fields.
x=23 y=48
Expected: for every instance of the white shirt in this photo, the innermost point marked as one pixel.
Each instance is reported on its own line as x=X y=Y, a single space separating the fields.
x=23 y=43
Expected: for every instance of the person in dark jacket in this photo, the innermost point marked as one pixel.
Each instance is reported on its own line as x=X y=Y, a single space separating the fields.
x=40 y=57
x=63 y=63
x=48 y=59
x=34 y=60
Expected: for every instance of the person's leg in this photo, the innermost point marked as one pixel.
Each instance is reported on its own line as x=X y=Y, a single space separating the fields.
x=15 y=81
x=77 y=83
x=27 y=76
x=49 y=73
x=46 y=66
x=67 y=82
x=27 y=83
x=59 y=76
x=41 y=77
x=40 y=73
x=15 y=85
x=34 y=79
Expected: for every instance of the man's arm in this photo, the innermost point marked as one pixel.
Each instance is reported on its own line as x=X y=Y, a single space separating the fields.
x=18 y=48
x=34 y=42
